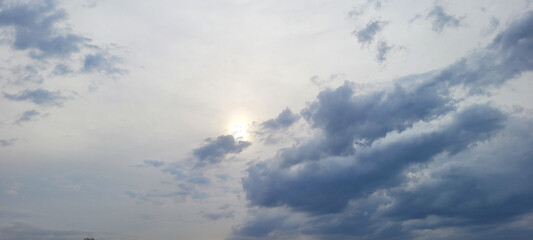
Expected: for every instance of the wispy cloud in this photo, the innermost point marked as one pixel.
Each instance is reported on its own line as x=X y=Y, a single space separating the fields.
x=154 y=163
x=7 y=142
x=103 y=63
x=38 y=96
x=369 y=32
x=27 y=116
x=441 y=20
x=383 y=51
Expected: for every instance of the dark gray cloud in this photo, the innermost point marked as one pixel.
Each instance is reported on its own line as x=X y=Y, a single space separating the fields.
x=7 y=142
x=441 y=20
x=262 y=226
x=369 y=32
x=102 y=63
x=410 y=161
x=469 y=192
x=34 y=26
x=367 y=170
x=154 y=163
x=216 y=149
x=488 y=184
x=347 y=118
x=38 y=96
x=505 y=58
x=23 y=231
x=284 y=120
x=27 y=116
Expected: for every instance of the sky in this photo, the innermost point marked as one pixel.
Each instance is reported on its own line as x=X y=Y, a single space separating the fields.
x=243 y=120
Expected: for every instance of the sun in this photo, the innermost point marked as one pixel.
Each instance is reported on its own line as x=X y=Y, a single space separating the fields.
x=238 y=130
x=238 y=127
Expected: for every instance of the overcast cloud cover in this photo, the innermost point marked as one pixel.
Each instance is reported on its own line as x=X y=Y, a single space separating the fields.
x=266 y=119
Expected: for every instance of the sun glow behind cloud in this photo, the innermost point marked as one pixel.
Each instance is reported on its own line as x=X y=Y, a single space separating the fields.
x=238 y=128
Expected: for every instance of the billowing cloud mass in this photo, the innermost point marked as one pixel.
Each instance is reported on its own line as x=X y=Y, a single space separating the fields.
x=409 y=161
x=216 y=149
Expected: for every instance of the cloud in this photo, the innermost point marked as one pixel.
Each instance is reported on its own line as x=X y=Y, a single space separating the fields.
x=284 y=120
x=383 y=51
x=27 y=116
x=130 y=194
x=34 y=26
x=409 y=161
x=61 y=69
x=103 y=63
x=361 y=9
x=441 y=19
x=27 y=74
x=262 y=226
x=198 y=180
x=190 y=173
x=7 y=142
x=154 y=163
x=220 y=215
x=364 y=172
x=368 y=33
x=20 y=231
x=157 y=197
x=216 y=149
x=486 y=184
x=345 y=117
x=493 y=26
x=38 y=96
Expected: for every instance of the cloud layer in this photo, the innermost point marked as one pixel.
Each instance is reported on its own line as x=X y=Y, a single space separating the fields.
x=409 y=161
